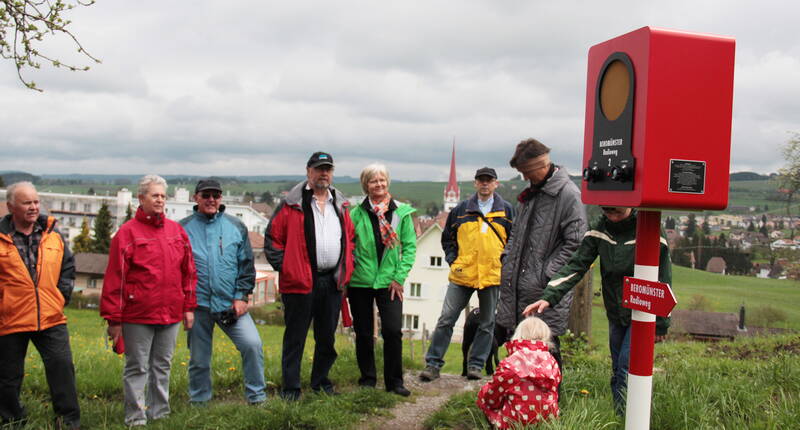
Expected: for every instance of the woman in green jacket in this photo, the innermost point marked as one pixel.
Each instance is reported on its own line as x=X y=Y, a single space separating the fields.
x=386 y=244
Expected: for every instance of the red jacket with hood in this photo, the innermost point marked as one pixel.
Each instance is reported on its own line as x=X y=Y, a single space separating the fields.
x=524 y=389
x=290 y=235
x=150 y=278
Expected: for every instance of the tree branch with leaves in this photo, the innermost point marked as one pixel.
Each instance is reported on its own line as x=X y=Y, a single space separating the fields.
x=789 y=174
x=25 y=24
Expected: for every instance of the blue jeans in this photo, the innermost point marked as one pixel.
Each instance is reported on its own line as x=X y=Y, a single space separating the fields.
x=619 y=342
x=455 y=301
x=245 y=336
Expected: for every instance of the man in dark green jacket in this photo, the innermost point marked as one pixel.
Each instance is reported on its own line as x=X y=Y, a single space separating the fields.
x=613 y=237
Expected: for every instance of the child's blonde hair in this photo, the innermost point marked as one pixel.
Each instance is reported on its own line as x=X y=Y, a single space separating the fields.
x=532 y=328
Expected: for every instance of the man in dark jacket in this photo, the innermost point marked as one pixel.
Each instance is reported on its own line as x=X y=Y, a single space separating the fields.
x=548 y=227
x=473 y=238
x=37 y=274
x=309 y=241
x=612 y=237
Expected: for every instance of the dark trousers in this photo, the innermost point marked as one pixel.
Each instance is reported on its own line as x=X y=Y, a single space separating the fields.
x=555 y=351
x=53 y=347
x=391 y=315
x=322 y=306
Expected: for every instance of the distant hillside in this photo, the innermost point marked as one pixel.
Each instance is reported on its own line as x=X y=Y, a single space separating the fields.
x=749 y=176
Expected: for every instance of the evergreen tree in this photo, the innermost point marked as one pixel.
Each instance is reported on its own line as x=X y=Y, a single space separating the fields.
x=669 y=223
x=763 y=230
x=705 y=227
x=751 y=227
x=128 y=213
x=83 y=241
x=2 y=183
x=102 y=230
x=691 y=225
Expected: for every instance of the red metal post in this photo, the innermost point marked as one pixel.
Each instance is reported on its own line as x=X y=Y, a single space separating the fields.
x=643 y=325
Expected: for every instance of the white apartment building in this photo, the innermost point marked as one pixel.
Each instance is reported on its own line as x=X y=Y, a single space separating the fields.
x=71 y=209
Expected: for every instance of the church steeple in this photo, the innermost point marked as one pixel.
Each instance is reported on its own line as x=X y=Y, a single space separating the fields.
x=452 y=195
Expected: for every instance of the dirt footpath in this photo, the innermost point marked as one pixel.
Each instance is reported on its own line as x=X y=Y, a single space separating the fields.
x=427 y=397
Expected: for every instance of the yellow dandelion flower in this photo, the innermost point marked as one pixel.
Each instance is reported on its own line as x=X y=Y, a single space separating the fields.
x=231 y=368
x=585 y=392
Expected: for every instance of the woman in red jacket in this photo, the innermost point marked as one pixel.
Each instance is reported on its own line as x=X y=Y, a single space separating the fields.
x=149 y=288
x=524 y=389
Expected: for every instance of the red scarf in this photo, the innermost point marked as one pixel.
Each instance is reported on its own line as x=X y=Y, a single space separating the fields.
x=388 y=235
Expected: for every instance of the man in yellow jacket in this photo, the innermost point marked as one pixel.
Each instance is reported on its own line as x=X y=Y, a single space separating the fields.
x=37 y=275
x=473 y=238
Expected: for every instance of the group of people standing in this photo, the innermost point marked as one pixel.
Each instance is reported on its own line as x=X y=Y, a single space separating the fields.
x=332 y=259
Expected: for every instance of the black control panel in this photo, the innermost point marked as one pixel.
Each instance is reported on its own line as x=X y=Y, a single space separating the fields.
x=612 y=164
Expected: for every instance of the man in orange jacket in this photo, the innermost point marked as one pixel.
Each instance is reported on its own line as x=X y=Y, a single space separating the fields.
x=37 y=274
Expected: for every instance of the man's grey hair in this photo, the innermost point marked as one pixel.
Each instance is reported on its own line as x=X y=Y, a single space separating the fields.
x=370 y=172
x=11 y=191
x=148 y=180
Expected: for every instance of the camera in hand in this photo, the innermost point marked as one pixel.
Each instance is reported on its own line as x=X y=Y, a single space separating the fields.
x=225 y=318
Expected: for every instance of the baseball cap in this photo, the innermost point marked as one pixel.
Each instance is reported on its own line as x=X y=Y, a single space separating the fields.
x=485 y=171
x=320 y=158
x=207 y=184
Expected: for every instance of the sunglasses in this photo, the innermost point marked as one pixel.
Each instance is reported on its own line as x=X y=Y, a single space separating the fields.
x=209 y=195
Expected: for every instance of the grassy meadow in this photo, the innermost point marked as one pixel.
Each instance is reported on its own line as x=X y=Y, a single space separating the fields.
x=99 y=376
x=750 y=383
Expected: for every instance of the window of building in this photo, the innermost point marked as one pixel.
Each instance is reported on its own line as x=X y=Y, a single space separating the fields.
x=92 y=283
x=436 y=261
x=87 y=207
x=410 y=322
x=414 y=289
x=73 y=206
x=63 y=205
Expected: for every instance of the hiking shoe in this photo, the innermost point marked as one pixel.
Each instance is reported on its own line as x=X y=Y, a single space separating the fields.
x=474 y=373
x=400 y=391
x=429 y=374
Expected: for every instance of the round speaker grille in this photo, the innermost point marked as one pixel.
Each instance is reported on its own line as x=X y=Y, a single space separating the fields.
x=614 y=90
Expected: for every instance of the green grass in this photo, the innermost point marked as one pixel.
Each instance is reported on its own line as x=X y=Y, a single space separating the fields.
x=750 y=383
x=725 y=292
x=99 y=376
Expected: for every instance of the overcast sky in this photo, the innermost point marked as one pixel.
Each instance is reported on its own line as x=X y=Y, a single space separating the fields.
x=253 y=87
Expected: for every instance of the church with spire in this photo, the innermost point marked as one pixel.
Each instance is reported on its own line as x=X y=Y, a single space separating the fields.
x=452 y=194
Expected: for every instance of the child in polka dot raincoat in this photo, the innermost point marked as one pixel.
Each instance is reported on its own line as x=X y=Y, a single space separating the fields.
x=524 y=388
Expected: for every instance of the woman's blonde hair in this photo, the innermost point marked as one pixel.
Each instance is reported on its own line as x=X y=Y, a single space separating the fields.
x=532 y=328
x=370 y=171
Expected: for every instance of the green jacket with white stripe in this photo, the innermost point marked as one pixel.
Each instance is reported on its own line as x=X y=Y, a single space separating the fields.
x=615 y=244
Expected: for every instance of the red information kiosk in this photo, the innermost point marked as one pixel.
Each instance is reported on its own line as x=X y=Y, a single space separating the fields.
x=657 y=136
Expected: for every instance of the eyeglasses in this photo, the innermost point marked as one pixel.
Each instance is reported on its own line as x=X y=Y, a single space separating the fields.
x=209 y=195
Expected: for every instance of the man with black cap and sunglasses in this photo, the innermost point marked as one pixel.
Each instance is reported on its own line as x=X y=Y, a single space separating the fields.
x=612 y=237
x=473 y=238
x=309 y=241
x=225 y=278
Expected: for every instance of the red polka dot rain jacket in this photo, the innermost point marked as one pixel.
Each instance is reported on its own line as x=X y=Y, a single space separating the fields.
x=524 y=388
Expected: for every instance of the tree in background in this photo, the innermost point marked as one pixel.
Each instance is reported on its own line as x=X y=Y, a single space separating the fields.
x=751 y=226
x=789 y=175
x=267 y=197
x=128 y=213
x=102 y=230
x=691 y=225
x=2 y=183
x=83 y=241
x=26 y=25
x=669 y=223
